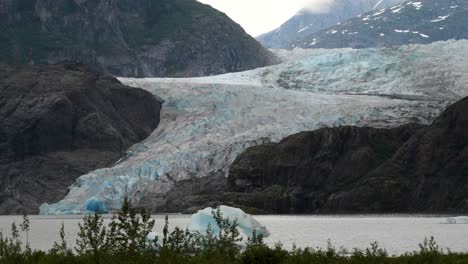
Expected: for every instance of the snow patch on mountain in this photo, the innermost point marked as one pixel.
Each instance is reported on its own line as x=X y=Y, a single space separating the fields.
x=302 y=29
x=417 y=5
x=378 y=4
x=440 y=18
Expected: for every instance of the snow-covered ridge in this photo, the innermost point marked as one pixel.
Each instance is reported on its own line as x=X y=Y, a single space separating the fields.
x=306 y=22
x=208 y=121
x=407 y=22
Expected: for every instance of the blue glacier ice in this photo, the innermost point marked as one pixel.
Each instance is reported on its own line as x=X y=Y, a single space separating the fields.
x=95 y=206
x=207 y=122
x=203 y=219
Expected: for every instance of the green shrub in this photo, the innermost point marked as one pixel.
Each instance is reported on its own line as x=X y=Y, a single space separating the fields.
x=62 y=247
x=92 y=238
x=128 y=231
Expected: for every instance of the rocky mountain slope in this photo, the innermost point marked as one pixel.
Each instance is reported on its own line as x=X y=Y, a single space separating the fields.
x=58 y=122
x=307 y=22
x=292 y=176
x=360 y=170
x=408 y=169
x=423 y=22
x=207 y=122
x=128 y=38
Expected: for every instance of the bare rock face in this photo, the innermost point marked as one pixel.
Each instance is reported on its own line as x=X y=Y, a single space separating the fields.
x=429 y=173
x=296 y=175
x=303 y=170
x=189 y=196
x=360 y=170
x=58 y=122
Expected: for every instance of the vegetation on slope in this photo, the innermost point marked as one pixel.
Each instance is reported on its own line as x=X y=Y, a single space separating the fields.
x=128 y=38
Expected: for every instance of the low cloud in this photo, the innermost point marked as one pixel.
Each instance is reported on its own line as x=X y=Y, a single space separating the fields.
x=319 y=6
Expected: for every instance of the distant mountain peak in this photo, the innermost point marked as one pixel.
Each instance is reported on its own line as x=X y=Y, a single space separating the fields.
x=410 y=22
x=144 y=38
x=310 y=20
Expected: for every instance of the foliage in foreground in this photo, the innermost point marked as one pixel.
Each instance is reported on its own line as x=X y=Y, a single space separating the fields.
x=124 y=240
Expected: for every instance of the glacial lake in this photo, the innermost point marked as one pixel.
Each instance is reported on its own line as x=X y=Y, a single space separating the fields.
x=396 y=233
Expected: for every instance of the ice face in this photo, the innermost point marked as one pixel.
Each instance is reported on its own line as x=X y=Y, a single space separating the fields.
x=95 y=206
x=207 y=122
x=247 y=224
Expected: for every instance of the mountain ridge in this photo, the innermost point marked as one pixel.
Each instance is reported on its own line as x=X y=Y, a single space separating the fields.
x=146 y=38
x=360 y=170
x=410 y=22
x=306 y=22
x=60 y=121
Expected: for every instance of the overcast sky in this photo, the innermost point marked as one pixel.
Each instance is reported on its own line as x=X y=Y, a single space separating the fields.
x=260 y=16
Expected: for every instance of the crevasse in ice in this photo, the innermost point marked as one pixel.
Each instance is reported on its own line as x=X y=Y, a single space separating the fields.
x=206 y=122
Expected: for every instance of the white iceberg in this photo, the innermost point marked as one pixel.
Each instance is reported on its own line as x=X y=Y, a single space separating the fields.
x=247 y=224
x=153 y=236
x=457 y=220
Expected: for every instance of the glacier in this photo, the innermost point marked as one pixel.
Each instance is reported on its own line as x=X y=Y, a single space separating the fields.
x=200 y=221
x=207 y=122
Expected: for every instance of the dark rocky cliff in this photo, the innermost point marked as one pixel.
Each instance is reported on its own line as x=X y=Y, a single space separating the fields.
x=428 y=173
x=128 y=38
x=361 y=170
x=58 y=122
x=301 y=171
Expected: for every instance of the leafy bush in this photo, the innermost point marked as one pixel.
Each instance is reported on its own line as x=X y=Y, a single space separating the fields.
x=92 y=238
x=62 y=247
x=128 y=231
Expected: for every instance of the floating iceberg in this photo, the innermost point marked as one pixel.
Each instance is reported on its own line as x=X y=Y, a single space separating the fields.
x=247 y=224
x=153 y=236
x=207 y=122
x=457 y=220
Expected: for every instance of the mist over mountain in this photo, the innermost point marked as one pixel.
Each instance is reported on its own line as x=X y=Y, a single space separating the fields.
x=317 y=16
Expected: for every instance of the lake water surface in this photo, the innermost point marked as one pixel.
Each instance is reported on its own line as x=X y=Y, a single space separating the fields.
x=398 y=234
